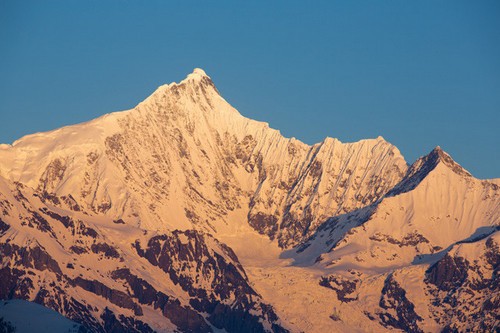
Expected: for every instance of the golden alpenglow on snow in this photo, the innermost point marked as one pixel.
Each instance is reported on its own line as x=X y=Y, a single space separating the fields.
x=182 y=215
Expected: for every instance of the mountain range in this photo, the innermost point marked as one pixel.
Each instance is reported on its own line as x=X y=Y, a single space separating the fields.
x=183 y=215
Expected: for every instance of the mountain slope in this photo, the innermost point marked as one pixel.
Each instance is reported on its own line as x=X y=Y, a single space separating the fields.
x=434 y=234
x=106 y=274
x=437 y=204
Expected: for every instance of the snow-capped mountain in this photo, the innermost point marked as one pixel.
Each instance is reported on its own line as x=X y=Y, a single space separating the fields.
x=183 y=215
x=184 y=158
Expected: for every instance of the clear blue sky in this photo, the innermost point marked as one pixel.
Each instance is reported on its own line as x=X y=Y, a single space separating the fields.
x=419 y=73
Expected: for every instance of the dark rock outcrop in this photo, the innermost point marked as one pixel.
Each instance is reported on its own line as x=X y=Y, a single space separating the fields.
x=123 y=324
x=114 y=296
x=35 y=257
x=448 y=273
x=393 y=297
x=466 y=293
x=105 y=249
x=342 y=286
x=189 y=262
x=4 y=226
x=185 y=318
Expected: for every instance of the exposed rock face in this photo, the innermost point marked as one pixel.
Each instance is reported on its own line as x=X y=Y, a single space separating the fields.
x=35 y=257
x=466 y=287
x=412 y=239
x=448 y=273
x=185 y=318
x=3 y=227
x=105 y=250
x=116 y=297
x=212 y=276
x=394 y=298
x=123 y=324
x=344 y=288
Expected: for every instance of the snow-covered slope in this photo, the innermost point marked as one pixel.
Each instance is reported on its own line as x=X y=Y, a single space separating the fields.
x=181 y=214
x=437 y=204
x=436 y=214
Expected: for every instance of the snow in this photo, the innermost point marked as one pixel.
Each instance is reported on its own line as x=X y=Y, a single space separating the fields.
x=197 y=74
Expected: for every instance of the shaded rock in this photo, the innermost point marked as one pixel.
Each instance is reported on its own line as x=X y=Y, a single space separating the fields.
x=185 y=318
x=114 y=296
x=105 y=249
x=394 y=298
x=448 y=273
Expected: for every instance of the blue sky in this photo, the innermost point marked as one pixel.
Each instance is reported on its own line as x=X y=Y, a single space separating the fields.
x=418 y=73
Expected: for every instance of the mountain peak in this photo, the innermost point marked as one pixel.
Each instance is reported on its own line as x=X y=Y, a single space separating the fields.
x=438 y=155
x=437 y=149
x=197 y=74
x=438 y=152
x=424 y=166
x=198 y=78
